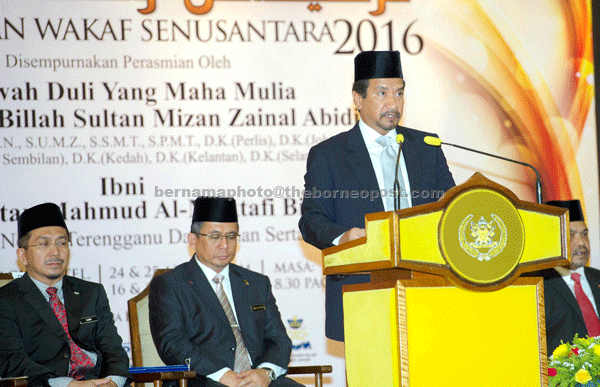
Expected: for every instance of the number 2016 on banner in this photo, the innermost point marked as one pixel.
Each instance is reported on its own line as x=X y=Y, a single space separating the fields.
x=366 y=36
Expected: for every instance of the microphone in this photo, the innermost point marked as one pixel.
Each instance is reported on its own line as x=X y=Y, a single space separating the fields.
x=399 y=140
x=435 y=141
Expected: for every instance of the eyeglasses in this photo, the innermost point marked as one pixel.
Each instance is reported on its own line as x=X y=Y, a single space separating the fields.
x=215 y=237
x=46 y=244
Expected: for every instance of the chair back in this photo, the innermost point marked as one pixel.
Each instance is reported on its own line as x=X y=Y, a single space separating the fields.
x=143 y=351
x=7 y=277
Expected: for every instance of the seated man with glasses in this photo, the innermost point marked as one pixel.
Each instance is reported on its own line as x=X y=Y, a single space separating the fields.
x=56 y=329
x=217 y=314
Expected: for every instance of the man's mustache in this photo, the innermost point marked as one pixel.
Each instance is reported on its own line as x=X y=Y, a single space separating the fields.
x=394 y=112
x=55 y=261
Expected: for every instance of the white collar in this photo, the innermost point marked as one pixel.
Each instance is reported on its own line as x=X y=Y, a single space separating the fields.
x=210 y=273
x=370 y=135
x=564 y=272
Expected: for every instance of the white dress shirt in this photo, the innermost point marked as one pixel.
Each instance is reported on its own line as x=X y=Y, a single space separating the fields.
x=370 y=137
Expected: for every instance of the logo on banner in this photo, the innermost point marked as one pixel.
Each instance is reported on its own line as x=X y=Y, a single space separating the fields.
x=488 y=239
x=208 y=4
x=297 y=335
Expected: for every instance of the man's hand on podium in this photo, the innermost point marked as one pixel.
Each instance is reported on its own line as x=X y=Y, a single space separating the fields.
x=352 y=234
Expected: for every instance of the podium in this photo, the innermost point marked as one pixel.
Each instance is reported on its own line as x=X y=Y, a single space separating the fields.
x=446 y=305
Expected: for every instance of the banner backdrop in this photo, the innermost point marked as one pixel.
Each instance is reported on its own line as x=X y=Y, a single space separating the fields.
x=122 y=112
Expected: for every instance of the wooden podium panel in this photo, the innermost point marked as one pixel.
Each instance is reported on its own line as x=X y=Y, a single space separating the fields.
x=371 y=326
x=418 y=335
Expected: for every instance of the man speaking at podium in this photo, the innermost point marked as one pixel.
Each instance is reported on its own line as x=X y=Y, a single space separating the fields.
x=572 y=295
x=352 y=174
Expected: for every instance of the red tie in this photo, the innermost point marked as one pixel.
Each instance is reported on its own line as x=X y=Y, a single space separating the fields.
x=80 y=361
x=587 y=309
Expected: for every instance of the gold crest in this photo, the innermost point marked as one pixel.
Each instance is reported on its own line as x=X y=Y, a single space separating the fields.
x=486 y=242
x=495 y=239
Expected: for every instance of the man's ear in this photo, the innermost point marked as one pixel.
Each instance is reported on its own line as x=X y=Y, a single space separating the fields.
x=22 y=256
x=357 y=100
x=191 y=238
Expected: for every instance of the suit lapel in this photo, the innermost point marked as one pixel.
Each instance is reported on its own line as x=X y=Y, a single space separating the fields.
x=73 y=305
x=360 y=162
x=203 y=289
x=412 y=158
x=594 y=282
x=563 y=290
x=32 y=296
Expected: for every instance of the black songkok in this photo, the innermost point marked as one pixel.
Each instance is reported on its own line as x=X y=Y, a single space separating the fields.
x=42 y=215
x=574 y=207
x=211 y=209
x=377 y=64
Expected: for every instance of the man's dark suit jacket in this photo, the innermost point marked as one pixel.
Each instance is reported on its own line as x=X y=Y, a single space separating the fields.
x=188 y=321
x=34 y=343
x=342 y=164
x=563 y=315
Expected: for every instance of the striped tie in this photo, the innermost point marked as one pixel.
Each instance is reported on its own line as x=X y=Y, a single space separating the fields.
x=242 y=359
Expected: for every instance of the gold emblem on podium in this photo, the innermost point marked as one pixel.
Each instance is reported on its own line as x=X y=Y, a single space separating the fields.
x=487 y=241
x=495 y=240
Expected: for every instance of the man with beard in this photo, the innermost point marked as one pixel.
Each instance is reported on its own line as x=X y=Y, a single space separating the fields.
x=352 y=174
x=572 y=294
x=55 y=329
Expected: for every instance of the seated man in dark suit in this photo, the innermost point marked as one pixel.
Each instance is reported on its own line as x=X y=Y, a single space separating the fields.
x=56 y=329
x=572 y=295
x=220 y=316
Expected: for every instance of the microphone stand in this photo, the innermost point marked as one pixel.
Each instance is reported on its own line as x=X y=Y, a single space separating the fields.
x=400 y=141
x=538 y=180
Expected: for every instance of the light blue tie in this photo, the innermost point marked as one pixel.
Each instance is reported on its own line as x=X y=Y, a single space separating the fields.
x=388 y=165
